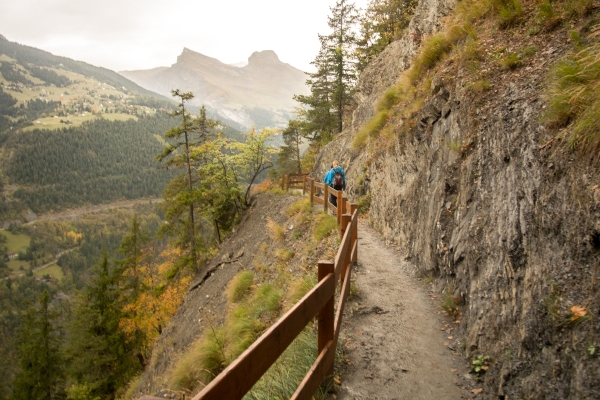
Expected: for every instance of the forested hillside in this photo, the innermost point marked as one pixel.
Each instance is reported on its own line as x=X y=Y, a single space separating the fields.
x=97 y=162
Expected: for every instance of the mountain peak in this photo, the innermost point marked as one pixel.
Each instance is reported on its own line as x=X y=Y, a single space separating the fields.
x=265 y=56
x=3 y=38
x=190 y=55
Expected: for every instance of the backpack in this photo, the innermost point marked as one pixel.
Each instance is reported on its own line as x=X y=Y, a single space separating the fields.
x=338 y=182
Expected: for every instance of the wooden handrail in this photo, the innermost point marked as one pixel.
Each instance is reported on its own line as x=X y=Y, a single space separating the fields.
x=239 y=377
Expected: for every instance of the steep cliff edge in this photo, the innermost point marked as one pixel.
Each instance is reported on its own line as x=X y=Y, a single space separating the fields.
x=481 y=198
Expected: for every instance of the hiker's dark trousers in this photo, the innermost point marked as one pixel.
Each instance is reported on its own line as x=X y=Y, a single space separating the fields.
x=333 y=199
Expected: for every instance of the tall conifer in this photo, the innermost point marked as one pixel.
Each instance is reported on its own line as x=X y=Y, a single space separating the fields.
x=41 y=374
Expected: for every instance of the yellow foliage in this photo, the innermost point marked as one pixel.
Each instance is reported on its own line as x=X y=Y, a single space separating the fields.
x=74 y=237
x=160 y=298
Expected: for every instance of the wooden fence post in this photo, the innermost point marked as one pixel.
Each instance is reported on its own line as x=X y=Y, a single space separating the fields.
x=354 y=258
x=340 y=206
x=326 y=321
x=346 y=218
x=325 y=197
x=312 y=191
x=303 y=185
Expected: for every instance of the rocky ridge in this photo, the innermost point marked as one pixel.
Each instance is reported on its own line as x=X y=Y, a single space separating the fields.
x=484 y=201
x=257 y=94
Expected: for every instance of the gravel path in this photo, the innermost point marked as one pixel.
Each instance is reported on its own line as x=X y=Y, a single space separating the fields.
x=394 y=346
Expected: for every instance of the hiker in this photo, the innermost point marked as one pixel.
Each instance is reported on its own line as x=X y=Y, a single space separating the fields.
x=336 y=179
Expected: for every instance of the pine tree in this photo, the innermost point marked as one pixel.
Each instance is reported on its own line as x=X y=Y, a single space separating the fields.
x=333 y=84
x=288 y=158
x=383 y=22
x=179 y=196
x=41 y=373
x=101 y=357
x=131 y=281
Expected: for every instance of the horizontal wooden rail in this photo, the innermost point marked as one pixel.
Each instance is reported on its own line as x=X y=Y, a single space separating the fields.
x=239 y=377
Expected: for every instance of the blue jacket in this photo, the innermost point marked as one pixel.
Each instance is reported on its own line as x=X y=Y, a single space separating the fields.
x=328 y=180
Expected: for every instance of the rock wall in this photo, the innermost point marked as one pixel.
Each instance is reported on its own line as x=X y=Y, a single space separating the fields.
x=506 y=220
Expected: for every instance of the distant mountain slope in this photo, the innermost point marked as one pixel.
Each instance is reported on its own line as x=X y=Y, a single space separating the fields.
x=30 y=55
x=72 y=134
x=258 y=94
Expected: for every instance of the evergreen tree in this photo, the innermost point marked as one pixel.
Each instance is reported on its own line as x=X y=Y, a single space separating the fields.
x=288 y=158
x=383 y=22
x=101 y=356
x=130 y=279
x=179 y=196
x=332 y=85
x=41 y=373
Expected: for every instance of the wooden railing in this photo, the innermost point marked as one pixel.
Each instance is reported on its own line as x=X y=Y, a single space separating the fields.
x=239 y=377
x=293 y=181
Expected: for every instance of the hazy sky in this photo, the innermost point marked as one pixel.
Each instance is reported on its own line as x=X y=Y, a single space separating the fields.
x=135 y=34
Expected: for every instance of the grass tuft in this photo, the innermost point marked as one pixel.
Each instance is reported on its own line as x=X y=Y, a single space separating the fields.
x=325 y=225
x=511 y=62
x=480 y=86
x=370 y=129
x=578 y=8
x=547 y=16
x=240 y=286
x=266 y=300
x=301 y=206
x=510 y=13
x=299 y=288
x=284 y=376
x=389 y=99
x=364 y=203
x=275 y=230
x=434 y=49
x=284 y=255
x=573 y=102
x=204 y=361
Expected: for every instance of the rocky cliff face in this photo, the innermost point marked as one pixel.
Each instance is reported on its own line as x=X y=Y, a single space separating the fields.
x=258 y=94
x=505 y=220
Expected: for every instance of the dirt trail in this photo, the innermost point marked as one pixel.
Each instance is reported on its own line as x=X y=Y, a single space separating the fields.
x=394 y=347
x=77 y=212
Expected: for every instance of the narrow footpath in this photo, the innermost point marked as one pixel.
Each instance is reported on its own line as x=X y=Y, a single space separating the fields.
x=395 y=337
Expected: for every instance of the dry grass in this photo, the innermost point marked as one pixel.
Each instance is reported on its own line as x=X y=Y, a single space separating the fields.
x=325 y=225
x=573 y=97
x=284 y=255
x=239 y=287
x=276 y=232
